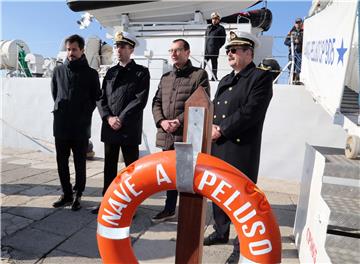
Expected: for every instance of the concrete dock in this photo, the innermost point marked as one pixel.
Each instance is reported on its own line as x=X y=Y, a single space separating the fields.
x=32 y=231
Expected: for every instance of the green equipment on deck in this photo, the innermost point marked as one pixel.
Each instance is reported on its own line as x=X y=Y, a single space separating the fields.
x=23 y=64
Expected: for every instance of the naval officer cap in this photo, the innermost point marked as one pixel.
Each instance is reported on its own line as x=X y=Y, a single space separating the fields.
x=215 y=15
x=125 y=37
x=241 y=38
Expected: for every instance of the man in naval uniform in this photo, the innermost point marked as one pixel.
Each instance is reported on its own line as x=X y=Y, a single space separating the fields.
x=240 y=105
x=125 y=91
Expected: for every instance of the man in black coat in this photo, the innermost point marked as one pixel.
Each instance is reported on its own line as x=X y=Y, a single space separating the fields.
x=240 y=105
x=214 y=39
x=75 y=89
x=125 y=91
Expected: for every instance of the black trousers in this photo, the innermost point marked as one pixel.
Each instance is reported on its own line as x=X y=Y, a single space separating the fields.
x=214 y=63
x=222 y=225
x=130 y=154
x=171 y=195
x=171 y=199
x=78 y=148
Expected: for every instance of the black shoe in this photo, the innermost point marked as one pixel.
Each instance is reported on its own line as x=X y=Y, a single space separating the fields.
x=233 y=258
x=215 y=239
x=163 y=216
x=63 y=201
x=95 y=210
x=76 y=204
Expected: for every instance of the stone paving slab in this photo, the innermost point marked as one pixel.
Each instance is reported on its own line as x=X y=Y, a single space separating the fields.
x=157 y=244
x=5 y=166
x=284 y=217
x=63 y=257
x=31 y=244
x=39 y=178
x=20 y=173
x=65 y=222
x=36 y=155
x=39 y=190
x=280 y=201
x=23 y=161
x=45 y=165
x=12 y=223
x=13 y=200
x=82 y=243
x=35 y=209
x=279 y=186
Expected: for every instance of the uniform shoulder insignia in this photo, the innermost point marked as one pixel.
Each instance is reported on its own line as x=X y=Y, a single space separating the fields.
x=113 y=68
x=264 y=68
x=141 y=66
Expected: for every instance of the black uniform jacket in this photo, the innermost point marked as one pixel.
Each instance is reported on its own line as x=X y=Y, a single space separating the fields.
x=125 y=91
x=75 y=89
x=215 y=38
x=240 y=105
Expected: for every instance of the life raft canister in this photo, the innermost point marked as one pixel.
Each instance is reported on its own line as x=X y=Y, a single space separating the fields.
x=238 y=197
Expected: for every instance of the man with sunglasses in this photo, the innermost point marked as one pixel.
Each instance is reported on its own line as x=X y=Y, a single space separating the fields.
x=168 y=107
x=240 y=105
x=125 y=91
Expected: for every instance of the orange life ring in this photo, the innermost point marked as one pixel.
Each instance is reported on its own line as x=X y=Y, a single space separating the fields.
x=215 y=179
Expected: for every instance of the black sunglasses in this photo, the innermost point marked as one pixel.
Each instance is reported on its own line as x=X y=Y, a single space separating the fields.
x=233 y=50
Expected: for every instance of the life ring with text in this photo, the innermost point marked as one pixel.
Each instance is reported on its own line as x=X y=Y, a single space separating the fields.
x=214 y=179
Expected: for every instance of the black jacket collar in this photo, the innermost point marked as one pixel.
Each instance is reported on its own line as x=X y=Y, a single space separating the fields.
x=246 y=71
x=77 y=64
x=128 y=66
x=233 y=78
x=184 y=71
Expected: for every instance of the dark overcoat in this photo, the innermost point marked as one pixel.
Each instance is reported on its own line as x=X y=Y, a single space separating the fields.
x=75 y=89
x=240 y=105
x=215 y=38
x=125 y=91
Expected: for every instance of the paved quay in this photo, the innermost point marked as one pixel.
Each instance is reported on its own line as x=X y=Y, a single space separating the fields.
x=32 y=231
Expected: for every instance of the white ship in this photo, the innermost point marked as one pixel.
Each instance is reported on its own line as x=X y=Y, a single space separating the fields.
x=322 y=112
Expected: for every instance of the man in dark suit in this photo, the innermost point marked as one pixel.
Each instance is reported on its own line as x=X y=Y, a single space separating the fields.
x=214 y=39
x=125 y=91
x=240 y=105
x=75 y=88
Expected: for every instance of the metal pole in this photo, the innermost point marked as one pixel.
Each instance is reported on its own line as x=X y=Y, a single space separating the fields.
x=287 y=65
x=358 y=16
x=192 y=207
x=292 y=60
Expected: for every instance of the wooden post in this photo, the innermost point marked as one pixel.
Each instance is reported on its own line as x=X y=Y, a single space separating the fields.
x=192 y=207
